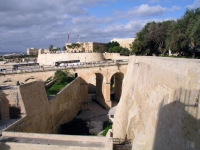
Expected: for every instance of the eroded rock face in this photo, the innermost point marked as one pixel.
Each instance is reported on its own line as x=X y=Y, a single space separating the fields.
x=159 y=107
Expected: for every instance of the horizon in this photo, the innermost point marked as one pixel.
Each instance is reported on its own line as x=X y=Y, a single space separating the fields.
x=25 y=23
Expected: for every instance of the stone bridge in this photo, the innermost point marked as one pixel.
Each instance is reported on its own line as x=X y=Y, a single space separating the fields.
x=103 y=79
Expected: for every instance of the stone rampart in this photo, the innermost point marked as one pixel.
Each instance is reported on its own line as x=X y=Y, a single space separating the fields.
x=43 y=115
x=22 y=77
x=159 y=107
x=114 y=56
x=50 y=59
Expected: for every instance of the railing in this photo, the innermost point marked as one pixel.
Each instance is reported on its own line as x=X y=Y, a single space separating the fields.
x=125 y=144
x=122 y=141
x=83 y=65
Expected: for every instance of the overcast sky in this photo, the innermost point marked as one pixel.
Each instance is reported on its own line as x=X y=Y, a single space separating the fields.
x=39 y=23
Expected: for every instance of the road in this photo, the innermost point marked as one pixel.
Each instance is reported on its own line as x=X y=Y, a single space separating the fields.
x=50 y=68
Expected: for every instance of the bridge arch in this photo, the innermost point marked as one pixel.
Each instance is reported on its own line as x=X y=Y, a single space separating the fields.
x=116 y=82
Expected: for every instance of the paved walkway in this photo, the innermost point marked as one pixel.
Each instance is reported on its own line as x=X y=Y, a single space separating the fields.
x=95 y=112
x=51 y=142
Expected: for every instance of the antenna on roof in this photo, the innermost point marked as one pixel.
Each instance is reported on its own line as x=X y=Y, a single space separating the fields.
x=78 y=38
x=68 y=39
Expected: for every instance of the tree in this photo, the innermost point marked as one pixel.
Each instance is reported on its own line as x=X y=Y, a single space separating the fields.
x=64 y=47
x=142 y=45
x=51 y=48
x=125 y=52
x=96 y=48
x=74 y=46
x=111 y=45
x=192 y=18
x=157 y=33
x=61 y=76
x=176 y=39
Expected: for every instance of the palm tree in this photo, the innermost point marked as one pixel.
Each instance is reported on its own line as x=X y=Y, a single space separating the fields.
x=51 y=48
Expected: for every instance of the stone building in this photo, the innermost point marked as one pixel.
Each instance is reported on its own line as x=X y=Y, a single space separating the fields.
x=124 y=42
x=86 y=47
x=36 y=51
x=32 y=51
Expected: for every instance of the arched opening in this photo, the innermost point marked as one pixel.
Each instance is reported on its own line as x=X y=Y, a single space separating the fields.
x=14 y=112
x=76 y=75
x=116 y=87
x=92 y=84
x=99 y=85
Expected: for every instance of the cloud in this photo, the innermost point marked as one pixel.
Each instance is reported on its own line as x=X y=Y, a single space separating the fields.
x=35 y=23
x=195 y=4
x=146 y=10
x=154 y=1
x=35 y=12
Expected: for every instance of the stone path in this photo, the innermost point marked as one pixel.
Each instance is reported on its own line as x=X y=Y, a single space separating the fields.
x=95 y=116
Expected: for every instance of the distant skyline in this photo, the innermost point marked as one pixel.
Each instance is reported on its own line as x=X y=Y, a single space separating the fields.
x=34 y=23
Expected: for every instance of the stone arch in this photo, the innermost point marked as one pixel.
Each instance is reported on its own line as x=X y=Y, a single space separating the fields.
x=92 y=83
x=102 y=91
x=99 y=85
x=116 y=81
x=75 y=75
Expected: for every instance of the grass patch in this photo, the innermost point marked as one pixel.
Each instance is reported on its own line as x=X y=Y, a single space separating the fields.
x=106 y=126
x=58 y=86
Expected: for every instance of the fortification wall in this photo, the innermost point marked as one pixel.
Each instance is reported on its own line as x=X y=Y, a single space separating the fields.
x=22 y=77
x=50 y=59
x=159 y=107
x=114 y=56
x=43 y=115
x=10 y=97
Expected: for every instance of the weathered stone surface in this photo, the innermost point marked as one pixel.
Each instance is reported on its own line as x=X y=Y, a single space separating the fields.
x=43 y=116
x=159 y=107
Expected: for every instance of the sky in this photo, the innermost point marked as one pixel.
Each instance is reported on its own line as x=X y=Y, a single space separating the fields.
x=40 y=23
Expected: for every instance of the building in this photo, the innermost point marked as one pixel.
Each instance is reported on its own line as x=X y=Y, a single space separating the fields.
x=36 y=51
x=85 y=47
x=124 y=42
x=32 y=51
x=44 y=51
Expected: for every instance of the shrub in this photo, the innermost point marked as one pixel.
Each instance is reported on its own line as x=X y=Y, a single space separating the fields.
x=106 y=126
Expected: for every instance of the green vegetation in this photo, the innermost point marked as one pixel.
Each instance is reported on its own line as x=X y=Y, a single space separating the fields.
x=106 y=126
x=74 y=46
x=114 y=47
x=49 y=80
x=75 y=127
x=62 y=79
x=180 y=36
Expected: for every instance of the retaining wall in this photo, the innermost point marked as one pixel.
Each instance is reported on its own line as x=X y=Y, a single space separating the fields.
x=43 y=115
x=160 y=104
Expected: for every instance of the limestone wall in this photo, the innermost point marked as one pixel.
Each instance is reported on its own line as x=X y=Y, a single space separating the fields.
x=50 y=59
x=114 y=56
x=157 y=108
x=10 y=97
x=21 y=141
x=43 y=115
x=22 y=77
